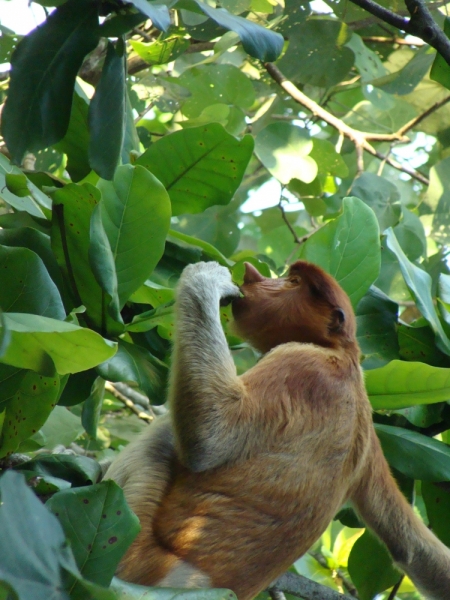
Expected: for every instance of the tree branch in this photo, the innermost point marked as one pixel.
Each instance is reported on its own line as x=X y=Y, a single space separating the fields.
x=421 y=23
x=300 y=586
x=359 y=138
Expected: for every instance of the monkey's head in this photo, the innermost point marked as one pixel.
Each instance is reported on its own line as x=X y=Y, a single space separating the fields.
x=307 y=305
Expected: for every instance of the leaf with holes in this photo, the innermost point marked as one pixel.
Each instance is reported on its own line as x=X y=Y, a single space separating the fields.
x=99 y=526
x=199 y=167
x=28 y=410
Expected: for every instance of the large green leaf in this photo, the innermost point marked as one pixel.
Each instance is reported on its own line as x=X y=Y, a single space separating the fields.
x=213 y=85
x=44 y=344
x=28 y=410
x=370 y=566
x=283 y=149
x=401 y=384
x=415 y=455
x=437 y=501
x=419 y=284
x=32 y=543
x=43 y=70
x=35 y=555
x=136 y=217
x=134 y=363
x=381 y=195
x=71 y=227
x=34 y=203
x=256 y=40
x=316 y=53
x=376 y=318
x=26 y=285
x=99 y=526
x=107 y=113
x=160 y=52
x=92 y=407
x=79 y=470
x=75 y=143
x=199 y=167
x=158 y=13
x=417 y=342
x=348 y=248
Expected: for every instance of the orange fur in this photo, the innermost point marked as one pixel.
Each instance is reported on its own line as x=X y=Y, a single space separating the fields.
x=250 y=470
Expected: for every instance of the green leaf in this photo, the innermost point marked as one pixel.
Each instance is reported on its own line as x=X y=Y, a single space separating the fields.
x=199 y=167
x=376 y=318
x=102 y=263
x=38 y=242
x=61 y=427
x=440 y=70
x=348 y=248
x=26 y=285
x=283 y=149
x=438 y=198
x=44 y=344
x=75 y=143
x=92 y=407
x=134 y=363
x=215 y=85
x=367 y=61
x=163 y=315
x=370 y=566
x=107 y=113
x=437 y=501
x=158 y=13
x=208 y=249
x=316 y=53
x=381 y=195
x=35 y=203
x=71 y=226
x=419 y=284
x=79 y=470
x=413 y=454
x=99 y=526
x=43 y=70
x=160 y=52
x=32 y=543
x=327 y=159
x=28 y=410
x=418 y=343
x=404 y=81
x=136 y=217
x=17 y=184
x=401 y=384
x=10 y=381
x=410 y=234
x=77 y=388
x=257 y=41
x=131 y=591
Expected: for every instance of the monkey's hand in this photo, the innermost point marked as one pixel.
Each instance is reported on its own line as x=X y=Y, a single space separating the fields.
x=209 y=282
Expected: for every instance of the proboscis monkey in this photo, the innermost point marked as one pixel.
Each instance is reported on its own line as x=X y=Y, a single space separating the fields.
x=247 y=472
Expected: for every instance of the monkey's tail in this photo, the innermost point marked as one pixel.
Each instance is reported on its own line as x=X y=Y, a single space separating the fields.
x=413 y=547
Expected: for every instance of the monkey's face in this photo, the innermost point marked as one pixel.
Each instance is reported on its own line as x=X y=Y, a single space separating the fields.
x=307 y=305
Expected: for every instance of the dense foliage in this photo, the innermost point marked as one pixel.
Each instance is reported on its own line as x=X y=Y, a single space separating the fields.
x=139 y=137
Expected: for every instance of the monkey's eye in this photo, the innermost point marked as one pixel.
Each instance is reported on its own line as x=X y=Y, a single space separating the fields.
x=294 y=279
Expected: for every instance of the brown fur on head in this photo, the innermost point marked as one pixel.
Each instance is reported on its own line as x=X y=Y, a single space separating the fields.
x=307 y=305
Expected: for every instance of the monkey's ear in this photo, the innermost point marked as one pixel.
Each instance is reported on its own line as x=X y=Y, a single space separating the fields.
x=337 y=319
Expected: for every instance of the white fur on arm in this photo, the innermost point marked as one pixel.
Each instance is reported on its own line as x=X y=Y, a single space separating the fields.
x=204 y=388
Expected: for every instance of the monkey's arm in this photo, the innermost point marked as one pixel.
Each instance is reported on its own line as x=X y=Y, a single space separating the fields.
x=412 y=545
x=205 y=393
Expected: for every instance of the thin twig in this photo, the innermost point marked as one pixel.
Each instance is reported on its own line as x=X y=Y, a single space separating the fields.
x=433 y=108
x=128 y=403
x=379 y=39
x=345 y=581
x=277 y=595
x=286 y=220
x=395 y=588
x=359 y=138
